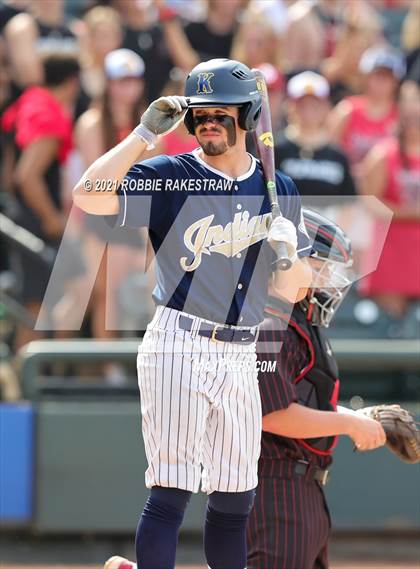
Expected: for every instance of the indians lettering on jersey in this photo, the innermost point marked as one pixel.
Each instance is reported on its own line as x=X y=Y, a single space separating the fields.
x=203 y=238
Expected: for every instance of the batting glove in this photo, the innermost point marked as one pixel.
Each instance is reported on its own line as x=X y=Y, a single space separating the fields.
x=282 y=229
x=162 y=116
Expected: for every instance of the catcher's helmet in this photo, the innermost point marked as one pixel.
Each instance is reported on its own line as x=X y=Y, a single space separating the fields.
x=224 y=83
x=329 y=241
x=332 y=280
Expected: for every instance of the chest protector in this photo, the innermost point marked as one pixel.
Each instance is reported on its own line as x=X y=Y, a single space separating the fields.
x=317 y=384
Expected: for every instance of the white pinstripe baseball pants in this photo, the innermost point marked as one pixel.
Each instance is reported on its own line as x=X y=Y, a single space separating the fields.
x=200 y=406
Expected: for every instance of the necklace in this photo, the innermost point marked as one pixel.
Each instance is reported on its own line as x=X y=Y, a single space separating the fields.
x=306 y=153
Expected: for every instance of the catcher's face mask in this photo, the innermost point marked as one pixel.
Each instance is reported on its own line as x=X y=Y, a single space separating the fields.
x=331 y=282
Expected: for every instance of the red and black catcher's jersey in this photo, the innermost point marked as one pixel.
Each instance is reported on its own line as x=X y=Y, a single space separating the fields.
x=305 y=372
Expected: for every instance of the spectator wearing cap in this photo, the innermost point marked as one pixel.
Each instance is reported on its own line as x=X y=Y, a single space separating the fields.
x=41 y=124
x=97 y=130
x=392 y=173
x=357 y=122
x=304 y=151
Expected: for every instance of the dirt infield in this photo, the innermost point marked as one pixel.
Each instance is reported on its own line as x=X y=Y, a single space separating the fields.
x=335 y=565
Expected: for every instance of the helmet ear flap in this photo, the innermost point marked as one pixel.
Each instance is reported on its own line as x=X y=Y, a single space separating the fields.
x=249 y=114
x=188 y=121
x=256 y=117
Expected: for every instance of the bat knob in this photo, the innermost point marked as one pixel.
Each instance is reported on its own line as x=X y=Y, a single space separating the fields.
x=283 y=264
x=282 y=261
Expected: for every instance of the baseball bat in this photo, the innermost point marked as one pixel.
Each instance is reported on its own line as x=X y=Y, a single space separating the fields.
x=263 y=139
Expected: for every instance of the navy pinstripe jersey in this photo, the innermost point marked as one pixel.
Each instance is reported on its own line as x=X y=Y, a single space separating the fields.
x=208 y=231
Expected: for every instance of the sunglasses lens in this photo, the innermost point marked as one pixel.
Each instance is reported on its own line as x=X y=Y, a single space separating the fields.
x=202 y=119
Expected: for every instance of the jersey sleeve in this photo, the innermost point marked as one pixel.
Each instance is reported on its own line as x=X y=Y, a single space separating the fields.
x=276 y=385
x=291 y=207
x=142 y=196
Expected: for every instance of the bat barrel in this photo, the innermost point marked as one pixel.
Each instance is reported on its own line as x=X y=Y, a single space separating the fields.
x=263 y=138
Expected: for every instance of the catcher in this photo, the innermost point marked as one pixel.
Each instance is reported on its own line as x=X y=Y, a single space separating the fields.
x=290 y=522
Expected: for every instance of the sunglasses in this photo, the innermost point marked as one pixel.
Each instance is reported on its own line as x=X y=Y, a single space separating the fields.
x=224 y=120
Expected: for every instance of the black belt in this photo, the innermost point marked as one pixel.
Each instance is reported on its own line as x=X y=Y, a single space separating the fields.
x=318 y=474
x=219 y=332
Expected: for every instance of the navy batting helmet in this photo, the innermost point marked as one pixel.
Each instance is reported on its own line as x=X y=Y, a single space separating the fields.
x=224 y=83
x=332 y=279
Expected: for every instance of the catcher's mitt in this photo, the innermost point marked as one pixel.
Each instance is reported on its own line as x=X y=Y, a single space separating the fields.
x=402 y=434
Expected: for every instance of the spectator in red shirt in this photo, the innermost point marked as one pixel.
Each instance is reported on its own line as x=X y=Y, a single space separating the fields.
x=41 y=125
x=392 y=174
x=358 y=122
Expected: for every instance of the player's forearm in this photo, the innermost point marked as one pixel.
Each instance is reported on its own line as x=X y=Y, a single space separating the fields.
x=101 y=180
x=182 y=53
x=292 y=285
x=96 y=190
x=299 y=422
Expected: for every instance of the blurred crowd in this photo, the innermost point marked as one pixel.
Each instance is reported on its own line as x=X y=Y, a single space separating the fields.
x=343 y=80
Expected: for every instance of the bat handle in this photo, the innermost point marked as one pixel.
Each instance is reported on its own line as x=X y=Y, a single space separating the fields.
x=282 y=258
x=283 y=262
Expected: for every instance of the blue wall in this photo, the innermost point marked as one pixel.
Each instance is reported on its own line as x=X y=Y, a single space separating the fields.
x=16 y=462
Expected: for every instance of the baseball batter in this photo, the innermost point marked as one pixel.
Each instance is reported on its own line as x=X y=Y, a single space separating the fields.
x=208 y=218
x=289 y=526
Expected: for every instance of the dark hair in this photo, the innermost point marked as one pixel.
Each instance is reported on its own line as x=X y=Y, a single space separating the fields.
x=109 y=128
x=58 y=68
